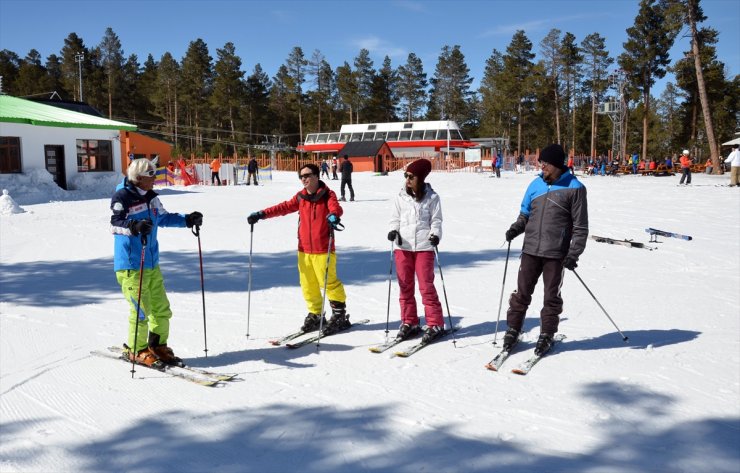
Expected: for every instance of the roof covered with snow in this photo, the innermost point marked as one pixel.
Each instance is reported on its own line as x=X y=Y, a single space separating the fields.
x=17 y=110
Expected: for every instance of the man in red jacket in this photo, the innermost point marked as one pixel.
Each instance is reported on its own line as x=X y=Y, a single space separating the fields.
x=318 y=214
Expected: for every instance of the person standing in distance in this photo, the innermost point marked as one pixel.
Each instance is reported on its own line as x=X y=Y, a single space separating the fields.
x=415 y=229
x=554 y=220
x=215 y=168
x=318 y=213
x=137 y=213
x=252 y=170
x=734 y=160
x=346 y=170
x=685 y=167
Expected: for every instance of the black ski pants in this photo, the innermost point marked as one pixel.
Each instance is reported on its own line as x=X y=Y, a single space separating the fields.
x=347 y=182
x=530 y=270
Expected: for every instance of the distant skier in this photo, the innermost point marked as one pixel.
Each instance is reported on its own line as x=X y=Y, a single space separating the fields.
x=415 y=229
x=686 y=163
x=318 y=212
x=137 y=213
x=554 y=220
x=252 y=170
x=346 y=170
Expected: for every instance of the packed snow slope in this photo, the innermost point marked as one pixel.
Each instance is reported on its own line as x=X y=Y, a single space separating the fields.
x=668 y=400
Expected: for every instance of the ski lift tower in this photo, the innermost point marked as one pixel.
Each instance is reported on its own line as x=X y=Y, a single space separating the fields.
x=615 y=108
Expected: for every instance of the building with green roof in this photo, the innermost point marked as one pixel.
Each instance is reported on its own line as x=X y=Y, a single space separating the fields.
x=64 y=142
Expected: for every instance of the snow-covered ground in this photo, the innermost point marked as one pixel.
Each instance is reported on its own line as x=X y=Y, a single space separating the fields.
x=666 y=401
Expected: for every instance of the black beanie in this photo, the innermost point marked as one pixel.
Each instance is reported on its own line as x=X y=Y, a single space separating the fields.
x=554 y=155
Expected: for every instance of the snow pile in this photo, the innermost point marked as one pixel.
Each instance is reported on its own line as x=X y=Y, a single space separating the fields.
x=8 y=205
x=37 y=186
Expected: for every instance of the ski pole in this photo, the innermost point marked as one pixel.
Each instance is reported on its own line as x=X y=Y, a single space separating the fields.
x=388 y=311
x=326 y=281
x=624 y=337
x=249 y=283
x=501 y=299
x=138 y=304
x=441 y=276
x=196 y=232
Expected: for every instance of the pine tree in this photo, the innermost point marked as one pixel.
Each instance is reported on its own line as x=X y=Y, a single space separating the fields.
x=258 y=113
x=411 y=88
x=347 y=89
x=517 y=80
x=381 y=106
x=228 y=90
x=571 y=68
x=596 y=66
x=450 y=95
x=111 y=58
x=32 y=78
x=10 y=63
x=195 y=81
x=73 y=45
x=645 y=56
x=296 y=67
x=551 y=51
x=363 y=76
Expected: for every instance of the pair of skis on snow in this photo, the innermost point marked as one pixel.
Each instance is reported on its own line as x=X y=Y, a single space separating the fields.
x=525 y=366
x=412 y=349
x=307 y=341
x=194 y=375
x=654 y=234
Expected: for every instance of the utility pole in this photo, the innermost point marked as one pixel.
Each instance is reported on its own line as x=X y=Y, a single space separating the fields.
x=79 y=57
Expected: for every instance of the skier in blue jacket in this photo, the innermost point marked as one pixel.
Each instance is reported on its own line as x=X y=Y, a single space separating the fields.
x=136 y=214
x=554 y=220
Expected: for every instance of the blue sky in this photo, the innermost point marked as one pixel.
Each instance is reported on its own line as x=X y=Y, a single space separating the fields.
x=265 y=31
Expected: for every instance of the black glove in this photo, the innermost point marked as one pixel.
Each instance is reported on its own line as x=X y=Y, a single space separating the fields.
x=194 y=219
x=394 y=235
x=140 y=227
x=434 y=240
x=255 y=216
x=333 y=220
x=570 y=263
x=511 y=234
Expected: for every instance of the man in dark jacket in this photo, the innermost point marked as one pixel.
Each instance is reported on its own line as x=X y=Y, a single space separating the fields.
x=554 y=220
x=347 y=179
x=252 y=169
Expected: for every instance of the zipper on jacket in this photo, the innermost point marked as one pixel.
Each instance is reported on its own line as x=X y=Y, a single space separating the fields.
x=539 y=241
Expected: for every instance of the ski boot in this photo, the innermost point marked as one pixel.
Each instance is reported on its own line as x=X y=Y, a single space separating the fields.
x=432 y=333
x=312 y=322
x=339 y=319
x=544 y=343
x=511 y=338
x=163 y=352
x=407 y=331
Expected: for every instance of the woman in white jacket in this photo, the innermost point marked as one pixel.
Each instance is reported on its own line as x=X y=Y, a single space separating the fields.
x=416 y=228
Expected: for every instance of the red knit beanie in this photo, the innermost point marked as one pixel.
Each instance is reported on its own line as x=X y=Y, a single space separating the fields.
x=420 y=168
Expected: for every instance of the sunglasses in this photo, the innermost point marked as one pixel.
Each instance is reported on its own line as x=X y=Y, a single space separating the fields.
x=149 y=173
x=409 y=175
x=306 y=176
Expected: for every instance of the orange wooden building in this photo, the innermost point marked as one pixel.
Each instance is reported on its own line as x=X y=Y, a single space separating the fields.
x=367 y=155
x=143 y=146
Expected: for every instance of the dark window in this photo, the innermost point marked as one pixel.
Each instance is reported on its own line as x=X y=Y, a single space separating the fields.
x=442 y=134
x=407 y=125
x=356 y=137
x=368 y=136
x=372 y=127
x=430 y=134
x=322 y=138
x=94 y=155
x=10 y=154
x=333 y=137
x=417 y=134
x=310 y=138
x=392 y=136
x=405 y=136
x=381 y=135
x=343 y=137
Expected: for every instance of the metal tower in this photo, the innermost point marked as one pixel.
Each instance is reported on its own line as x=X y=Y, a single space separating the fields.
x=616 y=109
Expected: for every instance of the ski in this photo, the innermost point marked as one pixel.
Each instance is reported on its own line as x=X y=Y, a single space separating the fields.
x=498 y=360
x=209 y=374
x=413 y=349
x=174 y=371
x=309 y=340
x=387 y=345
x=655 y=233
x=627 y=243
x=527 y=365
x=287 y=338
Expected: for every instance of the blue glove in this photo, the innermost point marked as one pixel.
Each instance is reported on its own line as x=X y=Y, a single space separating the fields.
x=333 y=220
x=254 y=217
